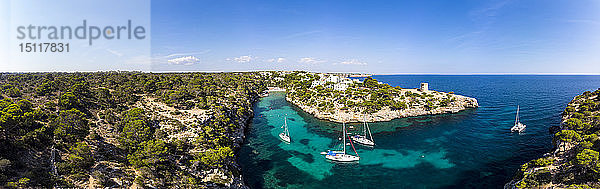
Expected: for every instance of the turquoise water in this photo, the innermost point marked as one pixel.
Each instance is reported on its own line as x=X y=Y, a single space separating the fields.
x=470 y=149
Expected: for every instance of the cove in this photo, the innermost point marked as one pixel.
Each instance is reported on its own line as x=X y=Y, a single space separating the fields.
x=469 y=149
x=278 y=162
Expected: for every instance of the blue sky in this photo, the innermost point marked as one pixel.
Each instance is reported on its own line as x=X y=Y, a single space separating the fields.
x=381 y=37
x=378 y=36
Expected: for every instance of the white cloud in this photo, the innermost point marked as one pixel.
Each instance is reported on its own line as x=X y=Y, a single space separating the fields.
x=278 y=60
x=242 y=59
x=186 y=60
x=353 y=62
x=309 y=60
x=188 y=53
x=116 y=53
x=302 y=34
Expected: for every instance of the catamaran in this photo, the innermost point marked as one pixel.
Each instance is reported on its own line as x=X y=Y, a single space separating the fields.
x=341 y=156
x=518 y=127
x=362 y=139
x=285 y=135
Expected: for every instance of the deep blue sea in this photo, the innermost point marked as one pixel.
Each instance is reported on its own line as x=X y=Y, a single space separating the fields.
x=469 y=149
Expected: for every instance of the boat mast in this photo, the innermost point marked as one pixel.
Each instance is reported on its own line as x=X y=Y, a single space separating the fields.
x=367 y=129
x=287 y=132
x=370 y=135
x=353 y=146
x=517 y=117
x=344 y=136
x=365 y=126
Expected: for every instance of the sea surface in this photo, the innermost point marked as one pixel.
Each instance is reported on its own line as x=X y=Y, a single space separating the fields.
x=469 y=149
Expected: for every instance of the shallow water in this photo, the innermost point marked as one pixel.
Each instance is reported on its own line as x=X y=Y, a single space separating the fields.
x=470 y=149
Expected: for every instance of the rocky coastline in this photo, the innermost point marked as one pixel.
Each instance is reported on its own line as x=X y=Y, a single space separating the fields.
x=386 y=114
x=573 y=163
x=165 y=113
x=560 y=155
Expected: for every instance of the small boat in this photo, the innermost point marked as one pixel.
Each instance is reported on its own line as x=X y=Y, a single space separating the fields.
x=363 y=139
x=518 y=127
x=285 y=135
x=341 y=156
x=264 y=94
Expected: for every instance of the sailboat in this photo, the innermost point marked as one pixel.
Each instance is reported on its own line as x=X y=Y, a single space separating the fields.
x=341 y=156
x=362 y=139
x=518 y=127
x=285 y=134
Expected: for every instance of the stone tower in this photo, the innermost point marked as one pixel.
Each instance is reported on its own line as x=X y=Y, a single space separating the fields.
x=424 y=87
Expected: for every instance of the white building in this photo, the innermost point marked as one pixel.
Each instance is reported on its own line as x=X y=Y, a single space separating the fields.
x=346 y=81
x=285 y=72
x=333 y=79
x=340 y=87
x=279 y=79
x=265 y=73
x=339 y=83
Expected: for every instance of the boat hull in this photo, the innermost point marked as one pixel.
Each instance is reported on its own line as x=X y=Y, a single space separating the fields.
x=285 y=138
x=342 y=158
x=362 y=140
x=519 y=127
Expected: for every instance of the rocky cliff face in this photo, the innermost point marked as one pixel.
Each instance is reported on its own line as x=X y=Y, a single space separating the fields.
x=574 y=163
x=183 y=127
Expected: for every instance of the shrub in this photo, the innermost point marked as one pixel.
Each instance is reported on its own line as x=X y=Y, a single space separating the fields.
x=70 y=126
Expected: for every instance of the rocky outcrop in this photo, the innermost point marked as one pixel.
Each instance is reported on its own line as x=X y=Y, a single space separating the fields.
x=181 y=125
x=562 y=167
x=386 y=114
x=560 y=156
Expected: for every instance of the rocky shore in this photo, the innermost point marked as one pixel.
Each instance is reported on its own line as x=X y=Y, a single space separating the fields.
x=559 y=156
x=386 y=114
x=574 y=162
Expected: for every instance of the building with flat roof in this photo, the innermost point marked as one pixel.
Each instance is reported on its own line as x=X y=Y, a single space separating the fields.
x=333 y=79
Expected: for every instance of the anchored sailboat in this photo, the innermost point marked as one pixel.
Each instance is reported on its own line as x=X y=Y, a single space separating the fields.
x=362 y=139
x=341 y=156
x=285 y=135
x=518 y=127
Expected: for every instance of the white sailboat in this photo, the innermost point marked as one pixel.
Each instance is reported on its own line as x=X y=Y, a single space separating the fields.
x=285 y=135
x=362 y=139
x=341 y=156
x=518 y=127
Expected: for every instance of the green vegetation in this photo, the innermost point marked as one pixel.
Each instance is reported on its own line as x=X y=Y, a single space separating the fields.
x=369 y=96
x=136 y=130
x=78 y=161
x=151 y=154
x=578 y=145
x=100 y=125
x=70 y=126
x=537 y=178
x=215 y=157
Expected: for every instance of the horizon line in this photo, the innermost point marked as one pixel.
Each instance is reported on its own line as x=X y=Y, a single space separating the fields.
x=484 y=73
x=222 y=71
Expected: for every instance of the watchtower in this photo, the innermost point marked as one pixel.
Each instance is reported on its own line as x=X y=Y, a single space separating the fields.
x=424 y=87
